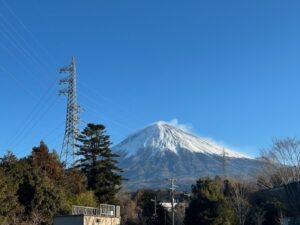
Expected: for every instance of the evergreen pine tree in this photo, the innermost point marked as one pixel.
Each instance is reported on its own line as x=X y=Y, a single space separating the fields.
x=98 y=163
x=208 y=205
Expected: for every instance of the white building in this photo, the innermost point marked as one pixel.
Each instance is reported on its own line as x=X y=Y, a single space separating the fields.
x=104 y=215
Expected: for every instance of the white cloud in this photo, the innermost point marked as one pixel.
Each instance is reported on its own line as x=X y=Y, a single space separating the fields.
x=183 y=126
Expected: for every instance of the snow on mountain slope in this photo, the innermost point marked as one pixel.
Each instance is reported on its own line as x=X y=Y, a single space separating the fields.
x=161 y=151
x=162 y=137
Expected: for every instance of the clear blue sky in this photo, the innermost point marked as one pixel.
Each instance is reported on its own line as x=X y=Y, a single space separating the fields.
x=231 y=69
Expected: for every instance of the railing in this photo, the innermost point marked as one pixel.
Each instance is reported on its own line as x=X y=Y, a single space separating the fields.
x=87 y=211
x=104 y=210
x=107 y=210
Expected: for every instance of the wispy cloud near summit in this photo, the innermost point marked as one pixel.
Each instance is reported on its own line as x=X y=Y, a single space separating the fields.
x=187 y=127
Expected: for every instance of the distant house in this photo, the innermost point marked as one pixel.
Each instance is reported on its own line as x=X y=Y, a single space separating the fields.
x=104 y=215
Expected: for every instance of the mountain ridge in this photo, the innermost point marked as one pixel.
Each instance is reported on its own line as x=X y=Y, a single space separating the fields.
x=161 y=151
x=164 y=136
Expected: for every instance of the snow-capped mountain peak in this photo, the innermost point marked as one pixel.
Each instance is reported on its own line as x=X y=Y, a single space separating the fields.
x=161 y=136
x=162 y=150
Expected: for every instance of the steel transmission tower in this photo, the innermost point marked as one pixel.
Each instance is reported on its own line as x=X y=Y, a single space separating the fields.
x=69 y=149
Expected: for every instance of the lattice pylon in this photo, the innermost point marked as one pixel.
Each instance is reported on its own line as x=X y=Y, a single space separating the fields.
x=69 y=149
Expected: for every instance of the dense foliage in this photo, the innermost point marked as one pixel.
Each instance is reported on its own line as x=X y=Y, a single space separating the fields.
x=35 y=188
x=208 y=205
x=138 y=208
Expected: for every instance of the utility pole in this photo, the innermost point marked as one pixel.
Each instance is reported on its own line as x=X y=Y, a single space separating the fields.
x=155 y=206
x=172 y=189
x=155 y=209
x=69 y=149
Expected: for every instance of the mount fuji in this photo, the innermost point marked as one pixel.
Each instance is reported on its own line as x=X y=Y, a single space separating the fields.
x=162 y=151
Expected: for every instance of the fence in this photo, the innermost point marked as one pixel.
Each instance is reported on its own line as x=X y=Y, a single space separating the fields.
x=104 y=210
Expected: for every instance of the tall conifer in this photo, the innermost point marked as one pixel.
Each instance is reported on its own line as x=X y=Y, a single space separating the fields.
x=98 y=163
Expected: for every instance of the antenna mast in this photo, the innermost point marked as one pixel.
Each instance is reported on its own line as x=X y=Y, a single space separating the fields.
x=69 y=149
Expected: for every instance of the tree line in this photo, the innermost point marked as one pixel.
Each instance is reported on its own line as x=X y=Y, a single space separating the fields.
x=263 y=200
x=213 y=201
x=35 y=188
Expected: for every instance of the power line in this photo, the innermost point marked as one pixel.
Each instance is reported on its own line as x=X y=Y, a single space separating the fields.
x=109 y=102
x=18 y=40
x=23 y=136
x=17 y=45
x=33 y=114
x=53 y=130
x=26 y=28
x=11 y=30
x=23 y=46
x=18 y=82
x=19 y=62
x=90 y=109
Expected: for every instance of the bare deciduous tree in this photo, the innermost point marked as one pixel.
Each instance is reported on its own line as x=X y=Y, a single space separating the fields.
x=282 y=170
x=238 y=198
x=282 y=162
x=128 y=207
